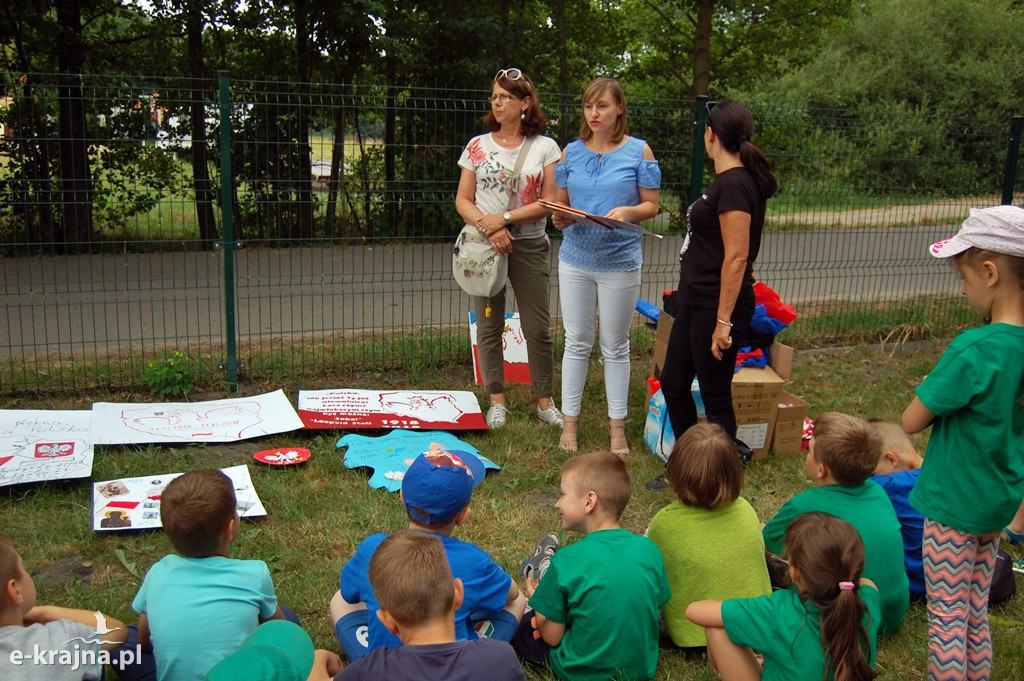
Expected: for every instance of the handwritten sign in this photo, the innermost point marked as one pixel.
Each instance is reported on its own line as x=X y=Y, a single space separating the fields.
x=227 y=420
x=410 y=409
x=38 y=445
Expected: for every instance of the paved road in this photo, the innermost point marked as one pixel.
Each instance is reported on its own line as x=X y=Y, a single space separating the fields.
x=82 y=305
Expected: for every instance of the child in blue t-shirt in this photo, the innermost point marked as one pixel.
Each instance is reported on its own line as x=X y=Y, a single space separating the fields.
x=436 y=492
x=972 y=479
x=897 y=472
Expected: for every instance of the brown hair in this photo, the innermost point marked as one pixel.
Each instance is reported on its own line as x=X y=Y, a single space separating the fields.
x=411 y=578
x=704 y=469
x=194 y=508
x=604 y=474
x=894 y=438
x=598 y=87
x=849 y=446
x=8 y=564
x=734 y=125
x=826 y=550
x=534 y=121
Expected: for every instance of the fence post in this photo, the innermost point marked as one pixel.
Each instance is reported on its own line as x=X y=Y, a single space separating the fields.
x=700 y=113
x=1012 y=153
x=228 y=238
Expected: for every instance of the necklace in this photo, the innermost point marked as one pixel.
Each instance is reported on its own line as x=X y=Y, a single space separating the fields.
x=504 y=140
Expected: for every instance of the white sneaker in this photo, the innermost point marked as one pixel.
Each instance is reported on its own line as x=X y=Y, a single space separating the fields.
x=497 y=415
x=551 y=415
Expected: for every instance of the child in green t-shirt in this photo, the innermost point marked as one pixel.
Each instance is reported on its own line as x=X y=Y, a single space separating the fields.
x=595 y=611
x=842 y=456
x=829 y=615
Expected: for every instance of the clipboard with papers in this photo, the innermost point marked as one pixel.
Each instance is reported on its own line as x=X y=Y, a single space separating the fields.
x=584 y=218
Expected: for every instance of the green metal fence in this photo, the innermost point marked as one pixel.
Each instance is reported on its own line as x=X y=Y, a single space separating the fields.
x=291 y=229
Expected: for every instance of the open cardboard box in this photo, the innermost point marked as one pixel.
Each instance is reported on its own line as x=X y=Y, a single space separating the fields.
x=789 y=424
x=755 y=392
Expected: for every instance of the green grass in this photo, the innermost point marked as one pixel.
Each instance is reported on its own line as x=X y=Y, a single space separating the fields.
x=318 y=512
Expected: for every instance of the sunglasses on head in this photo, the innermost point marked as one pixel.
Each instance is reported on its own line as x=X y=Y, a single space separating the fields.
x=511 y=74
x=710 y=105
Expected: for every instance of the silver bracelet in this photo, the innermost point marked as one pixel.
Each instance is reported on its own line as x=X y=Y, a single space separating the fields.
x=722 y=321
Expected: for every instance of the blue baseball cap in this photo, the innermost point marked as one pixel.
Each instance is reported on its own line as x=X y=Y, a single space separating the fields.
x=439 y=484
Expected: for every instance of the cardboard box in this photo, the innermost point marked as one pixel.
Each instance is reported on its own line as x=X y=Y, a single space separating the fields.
x=789 y=424
x=755 y=392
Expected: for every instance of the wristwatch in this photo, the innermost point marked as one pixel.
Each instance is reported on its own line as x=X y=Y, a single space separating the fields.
x=507 y=216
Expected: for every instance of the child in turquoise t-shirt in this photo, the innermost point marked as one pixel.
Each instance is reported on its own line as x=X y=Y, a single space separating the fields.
x=828 y=613
x=972 y=479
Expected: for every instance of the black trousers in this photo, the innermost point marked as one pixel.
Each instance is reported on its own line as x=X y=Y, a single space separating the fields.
x=689 y=355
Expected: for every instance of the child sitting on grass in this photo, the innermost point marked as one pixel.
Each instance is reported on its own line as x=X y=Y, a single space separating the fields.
x=417 y=599
x=436 y=491
x=197 y=605
x=26 y=628
x=710 y=537
x=897 y=472
x=595 y=608
x=824 y=626
x=843 y=453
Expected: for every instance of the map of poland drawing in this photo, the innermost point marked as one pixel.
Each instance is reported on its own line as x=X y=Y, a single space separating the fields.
x=214 y=421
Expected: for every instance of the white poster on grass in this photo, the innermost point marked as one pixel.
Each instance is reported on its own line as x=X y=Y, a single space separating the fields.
x=229 y=420
x=37 y=445
x=134 y=503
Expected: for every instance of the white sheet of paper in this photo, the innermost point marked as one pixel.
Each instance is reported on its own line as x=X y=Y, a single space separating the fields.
x=134 y=503
x=229 y=420
x=38 y=445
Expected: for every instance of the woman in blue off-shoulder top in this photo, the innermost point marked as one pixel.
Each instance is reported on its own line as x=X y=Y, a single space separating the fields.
x=608 y=173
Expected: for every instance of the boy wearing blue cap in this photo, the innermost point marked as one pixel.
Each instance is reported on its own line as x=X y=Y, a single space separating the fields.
x=436 y=491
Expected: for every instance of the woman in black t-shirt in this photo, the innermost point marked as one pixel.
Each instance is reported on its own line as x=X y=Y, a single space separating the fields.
x=716 y=278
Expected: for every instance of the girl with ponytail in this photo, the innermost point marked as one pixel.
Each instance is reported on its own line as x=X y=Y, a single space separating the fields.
x=824 y=626
x=716 y=273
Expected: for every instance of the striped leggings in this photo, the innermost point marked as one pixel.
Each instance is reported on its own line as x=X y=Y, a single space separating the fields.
x=958 y=573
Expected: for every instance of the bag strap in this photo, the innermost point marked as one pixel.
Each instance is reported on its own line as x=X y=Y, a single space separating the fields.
x=523 y=153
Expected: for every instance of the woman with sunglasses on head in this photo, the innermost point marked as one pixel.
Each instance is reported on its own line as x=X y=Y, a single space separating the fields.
x=607 y=173
x=486 y=186
x=716 y=278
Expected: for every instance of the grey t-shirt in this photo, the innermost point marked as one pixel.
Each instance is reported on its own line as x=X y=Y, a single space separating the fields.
x=61 y=650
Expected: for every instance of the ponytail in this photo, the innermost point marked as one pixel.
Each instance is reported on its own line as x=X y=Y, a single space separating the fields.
x=734 y=124
x=758 y=166
x=828 y=555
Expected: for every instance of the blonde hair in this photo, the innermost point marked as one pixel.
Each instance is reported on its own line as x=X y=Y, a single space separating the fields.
x=194 y=508
x=411 y=578
x=704 y=469
x=894 y=439
x=598 y=87
x=850 y=447
x=603 y=473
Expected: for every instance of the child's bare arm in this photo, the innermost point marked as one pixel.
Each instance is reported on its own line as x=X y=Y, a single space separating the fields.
x=326 y=665
x=551 y=631
x=278 y=615
x=112 y=639
x=145 y=640
x=707 y=613
x=917 y=417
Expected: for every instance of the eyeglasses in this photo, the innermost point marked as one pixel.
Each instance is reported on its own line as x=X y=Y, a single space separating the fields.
x=710 y=105
x=511 y=74
x=504 y=99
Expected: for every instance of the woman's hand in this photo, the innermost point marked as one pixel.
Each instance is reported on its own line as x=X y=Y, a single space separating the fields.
x=501 y=240
x=618 y=214
x=560 y=221
x=721 y=340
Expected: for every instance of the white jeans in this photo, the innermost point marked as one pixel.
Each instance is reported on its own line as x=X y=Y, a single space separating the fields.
x=584 y=296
